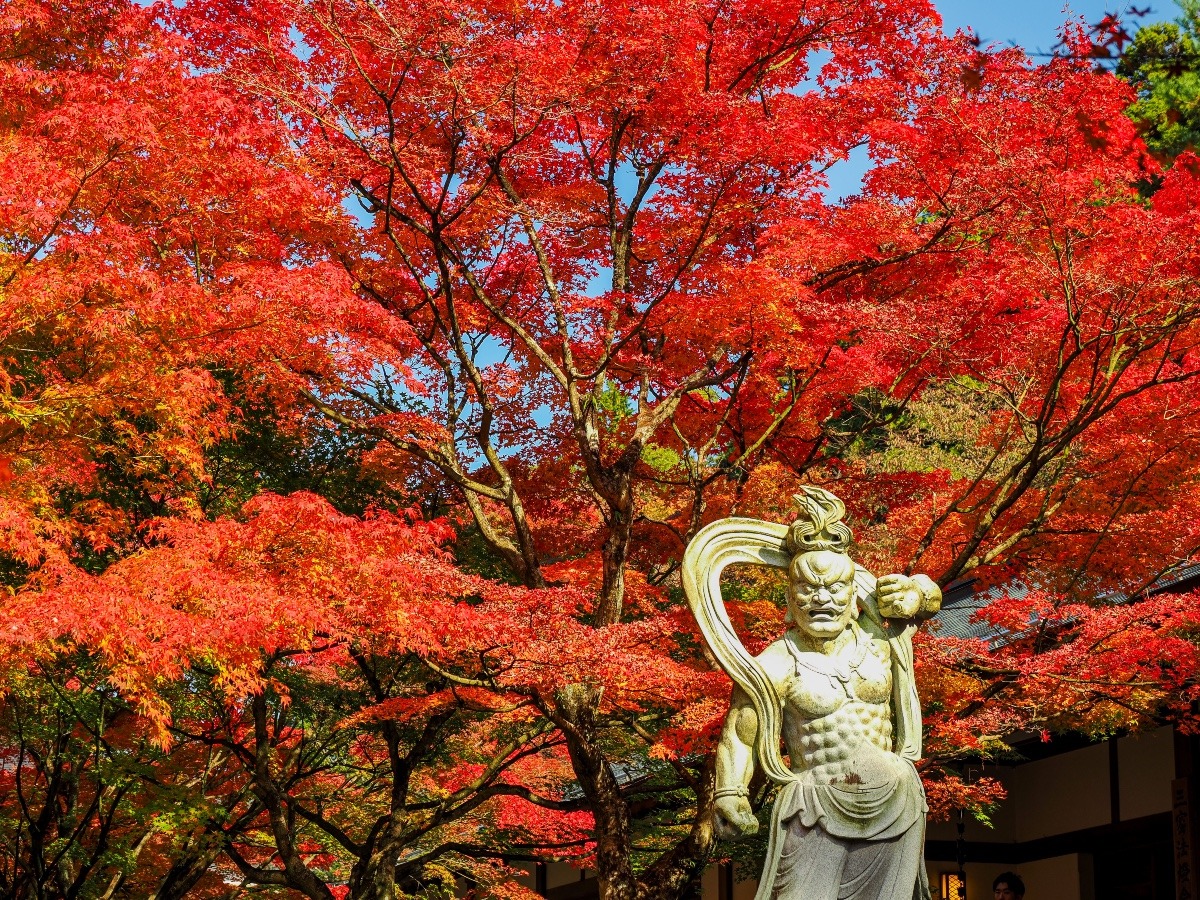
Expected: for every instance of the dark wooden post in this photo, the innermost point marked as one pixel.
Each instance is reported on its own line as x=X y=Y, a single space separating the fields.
x=1183 y=814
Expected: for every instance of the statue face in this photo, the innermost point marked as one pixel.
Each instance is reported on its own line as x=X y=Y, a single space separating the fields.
x=822 y=607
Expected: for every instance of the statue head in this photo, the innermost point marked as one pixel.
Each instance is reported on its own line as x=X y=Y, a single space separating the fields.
x=822 y=596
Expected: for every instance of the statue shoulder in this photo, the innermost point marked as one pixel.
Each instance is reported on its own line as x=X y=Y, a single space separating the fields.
x=777 y=661
x=880 y=645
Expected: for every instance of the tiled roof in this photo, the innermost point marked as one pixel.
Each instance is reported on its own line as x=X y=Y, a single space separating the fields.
x=626 y=772
x=962 y=600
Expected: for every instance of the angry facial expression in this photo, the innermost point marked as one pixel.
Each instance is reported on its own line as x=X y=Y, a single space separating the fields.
x=821 y=592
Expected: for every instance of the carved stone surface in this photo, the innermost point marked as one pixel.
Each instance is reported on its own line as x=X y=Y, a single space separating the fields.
x=837 y=691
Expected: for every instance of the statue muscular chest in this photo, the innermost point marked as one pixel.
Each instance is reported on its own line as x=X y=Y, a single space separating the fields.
x=835 y=703
x=820 y=684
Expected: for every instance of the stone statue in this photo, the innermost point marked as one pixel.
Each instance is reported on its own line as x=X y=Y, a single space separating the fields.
x=838 y=691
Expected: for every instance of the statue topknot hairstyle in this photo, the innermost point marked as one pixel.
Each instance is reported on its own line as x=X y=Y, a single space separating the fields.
x=819 y=525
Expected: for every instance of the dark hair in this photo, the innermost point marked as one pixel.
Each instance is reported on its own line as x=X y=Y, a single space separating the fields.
x=1013 y=880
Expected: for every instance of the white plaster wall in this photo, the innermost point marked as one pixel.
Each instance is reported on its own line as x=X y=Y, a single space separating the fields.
x=710 y=886
x=1057 y=878
x=1045 y=797
x=558 y=874
x=1146 y=763
x=745 y=890
x=1060 y=794
x=527 y=879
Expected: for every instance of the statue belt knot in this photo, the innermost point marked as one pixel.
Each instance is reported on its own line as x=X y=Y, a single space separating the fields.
x=837 y=690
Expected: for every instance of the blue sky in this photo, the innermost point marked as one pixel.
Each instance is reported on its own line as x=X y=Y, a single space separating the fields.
x=1033 y=24
x=1030 y=24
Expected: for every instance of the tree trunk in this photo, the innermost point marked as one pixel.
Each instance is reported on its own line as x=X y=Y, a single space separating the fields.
x=189 y=867
x=576 y=705
x=614 y=553
x=616 y=486
x=377 y=878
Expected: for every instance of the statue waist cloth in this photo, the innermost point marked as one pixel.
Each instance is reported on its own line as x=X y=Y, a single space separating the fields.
x=879 y=797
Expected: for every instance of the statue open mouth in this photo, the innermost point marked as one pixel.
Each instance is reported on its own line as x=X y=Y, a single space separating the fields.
x=826 y=613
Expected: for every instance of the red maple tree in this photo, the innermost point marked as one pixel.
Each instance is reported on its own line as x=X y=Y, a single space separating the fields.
x=566 y=278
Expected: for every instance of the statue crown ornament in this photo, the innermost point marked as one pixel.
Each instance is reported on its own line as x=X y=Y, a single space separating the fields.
x=819 y=525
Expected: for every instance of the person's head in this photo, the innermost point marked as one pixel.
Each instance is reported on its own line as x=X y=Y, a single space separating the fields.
x=1008 y=886
x=821 y=593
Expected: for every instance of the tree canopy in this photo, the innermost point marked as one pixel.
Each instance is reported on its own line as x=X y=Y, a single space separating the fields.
x=366 y=367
